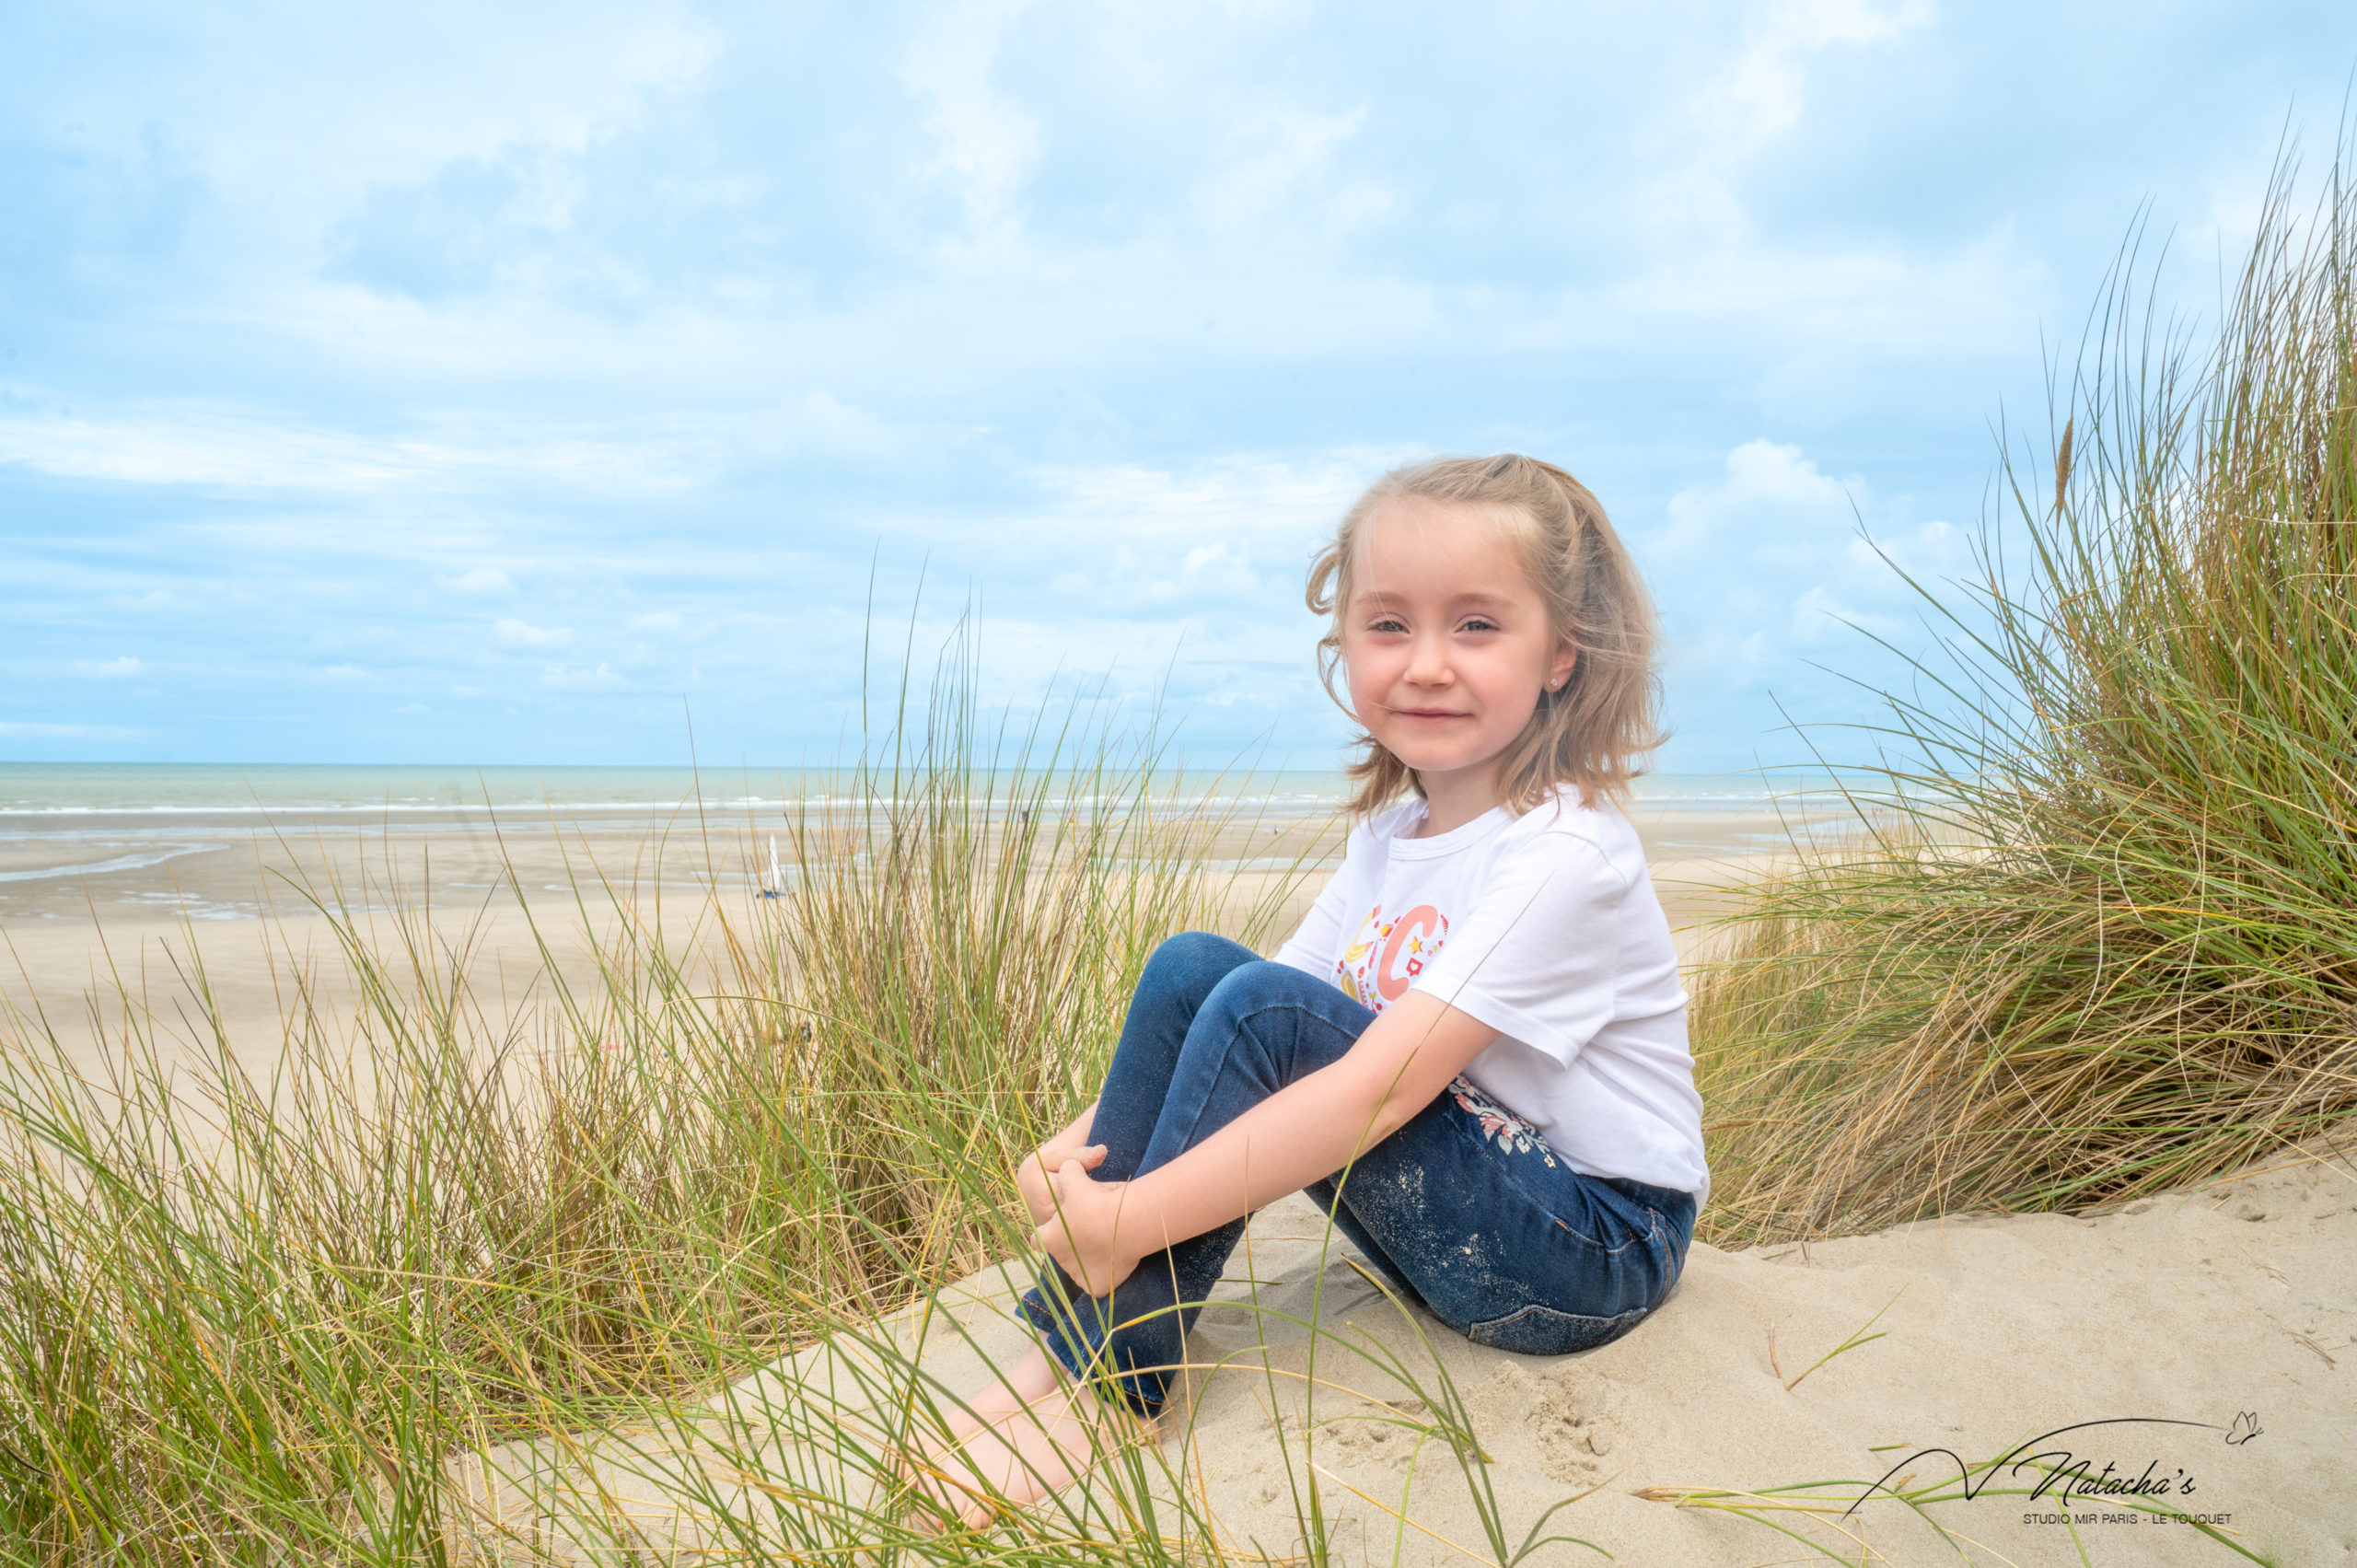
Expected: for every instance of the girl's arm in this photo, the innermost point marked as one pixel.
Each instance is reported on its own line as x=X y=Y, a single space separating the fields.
x=1309 y=1130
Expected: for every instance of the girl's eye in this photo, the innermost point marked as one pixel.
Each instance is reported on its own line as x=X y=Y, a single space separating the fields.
x=1387 y=624
x=1481 y=623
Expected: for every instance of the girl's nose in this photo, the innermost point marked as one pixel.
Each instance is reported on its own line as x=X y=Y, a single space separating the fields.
x=1428 y=660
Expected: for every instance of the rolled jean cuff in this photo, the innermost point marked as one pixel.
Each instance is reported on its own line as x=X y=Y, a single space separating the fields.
x=1143 y=1391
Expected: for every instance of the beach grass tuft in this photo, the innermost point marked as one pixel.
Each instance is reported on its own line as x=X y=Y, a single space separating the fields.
x=2098 y=934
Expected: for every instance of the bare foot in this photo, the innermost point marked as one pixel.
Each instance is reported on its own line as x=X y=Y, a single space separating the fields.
x=1030 y=1434
x=1029 y=1380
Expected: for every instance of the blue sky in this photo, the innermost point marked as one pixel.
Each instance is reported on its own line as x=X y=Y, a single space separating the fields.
x=464 y=384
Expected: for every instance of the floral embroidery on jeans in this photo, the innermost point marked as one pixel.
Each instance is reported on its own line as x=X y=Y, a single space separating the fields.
x=1513 y=1134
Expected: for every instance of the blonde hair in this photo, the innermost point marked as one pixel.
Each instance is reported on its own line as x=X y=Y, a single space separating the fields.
x=1593 y=734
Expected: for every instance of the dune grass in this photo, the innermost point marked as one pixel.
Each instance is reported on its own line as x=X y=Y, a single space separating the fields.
x=249 y=1320
x=2101 y=937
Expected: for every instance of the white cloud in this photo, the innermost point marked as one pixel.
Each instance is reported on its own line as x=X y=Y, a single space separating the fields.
x=344 y=672
x=1701 y=189
x=192 y=448
x=1762 y=93
x=241 y=449
x=820 y=421
x=1771 y=575
x=1767 y=497
x=291 y=111
x=1864 y=591
x=110 y=669
x=659 y=621
x=69 y=731
x=1765 y=560
x=1237 y=496
x=516 y=633
x=556 y=678
x=1279 y=164
x=987 y=144
x=483 y=580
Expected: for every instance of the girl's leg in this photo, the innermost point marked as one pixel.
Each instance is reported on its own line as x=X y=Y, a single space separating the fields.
x=1259 y=1028
x=1465 y=1209
x=1030 y=1432
x=1501 y=1238
x=1178 y=978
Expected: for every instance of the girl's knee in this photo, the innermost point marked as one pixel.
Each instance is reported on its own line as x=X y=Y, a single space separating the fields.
x=1264 y=984
x=1254 y=984
x=1191 y=963
x=1187 y=947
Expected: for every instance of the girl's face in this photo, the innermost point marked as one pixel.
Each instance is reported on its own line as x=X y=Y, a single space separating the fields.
x=1447 y=643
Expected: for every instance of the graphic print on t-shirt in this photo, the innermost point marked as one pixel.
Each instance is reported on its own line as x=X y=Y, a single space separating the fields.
x=1383 y=959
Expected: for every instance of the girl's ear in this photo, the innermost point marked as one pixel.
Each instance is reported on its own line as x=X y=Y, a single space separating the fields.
x=1560 y=671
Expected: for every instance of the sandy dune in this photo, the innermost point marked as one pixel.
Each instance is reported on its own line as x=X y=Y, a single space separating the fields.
x=2201 y=1339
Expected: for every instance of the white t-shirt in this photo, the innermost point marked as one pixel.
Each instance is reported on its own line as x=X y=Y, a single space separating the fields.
x=1545 y=927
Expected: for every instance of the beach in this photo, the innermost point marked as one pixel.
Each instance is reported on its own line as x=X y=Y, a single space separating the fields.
x=2200 y=1336
x=114 y=884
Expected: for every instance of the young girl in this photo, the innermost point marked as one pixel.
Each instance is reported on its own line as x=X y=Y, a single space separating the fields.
x=1472 y=1054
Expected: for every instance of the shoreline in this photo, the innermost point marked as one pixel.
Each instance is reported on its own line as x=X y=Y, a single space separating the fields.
x=241 y=902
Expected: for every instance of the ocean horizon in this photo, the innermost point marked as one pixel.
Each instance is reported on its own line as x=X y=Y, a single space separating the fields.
x=140 y=827
x=37 y=794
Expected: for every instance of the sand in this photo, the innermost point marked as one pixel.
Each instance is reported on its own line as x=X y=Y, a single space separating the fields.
x=256 y=910
x=2201 y=1339
x=250 y=907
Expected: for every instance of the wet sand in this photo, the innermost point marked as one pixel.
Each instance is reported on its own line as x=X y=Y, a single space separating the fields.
x=238 y=907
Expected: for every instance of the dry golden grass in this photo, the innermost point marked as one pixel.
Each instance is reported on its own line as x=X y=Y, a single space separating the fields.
x=2141 y=966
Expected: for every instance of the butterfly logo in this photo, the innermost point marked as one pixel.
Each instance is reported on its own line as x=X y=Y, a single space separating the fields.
x=2246 y=1428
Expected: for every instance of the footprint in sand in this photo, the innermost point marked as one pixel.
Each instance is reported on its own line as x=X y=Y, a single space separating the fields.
x=1375 y=1435
x=1566 y=1409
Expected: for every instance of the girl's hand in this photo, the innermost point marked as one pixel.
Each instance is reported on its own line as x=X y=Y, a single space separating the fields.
x=1035 y=1177
x=1080 y=1232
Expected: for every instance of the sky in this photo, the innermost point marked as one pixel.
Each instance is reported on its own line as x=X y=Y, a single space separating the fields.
x=552 y=383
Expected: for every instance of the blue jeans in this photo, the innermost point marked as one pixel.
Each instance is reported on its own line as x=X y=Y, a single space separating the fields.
x=1465 y=1209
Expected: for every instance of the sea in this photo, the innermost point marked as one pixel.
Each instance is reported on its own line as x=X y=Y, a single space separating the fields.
x=65 y=821
x=36 y=793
